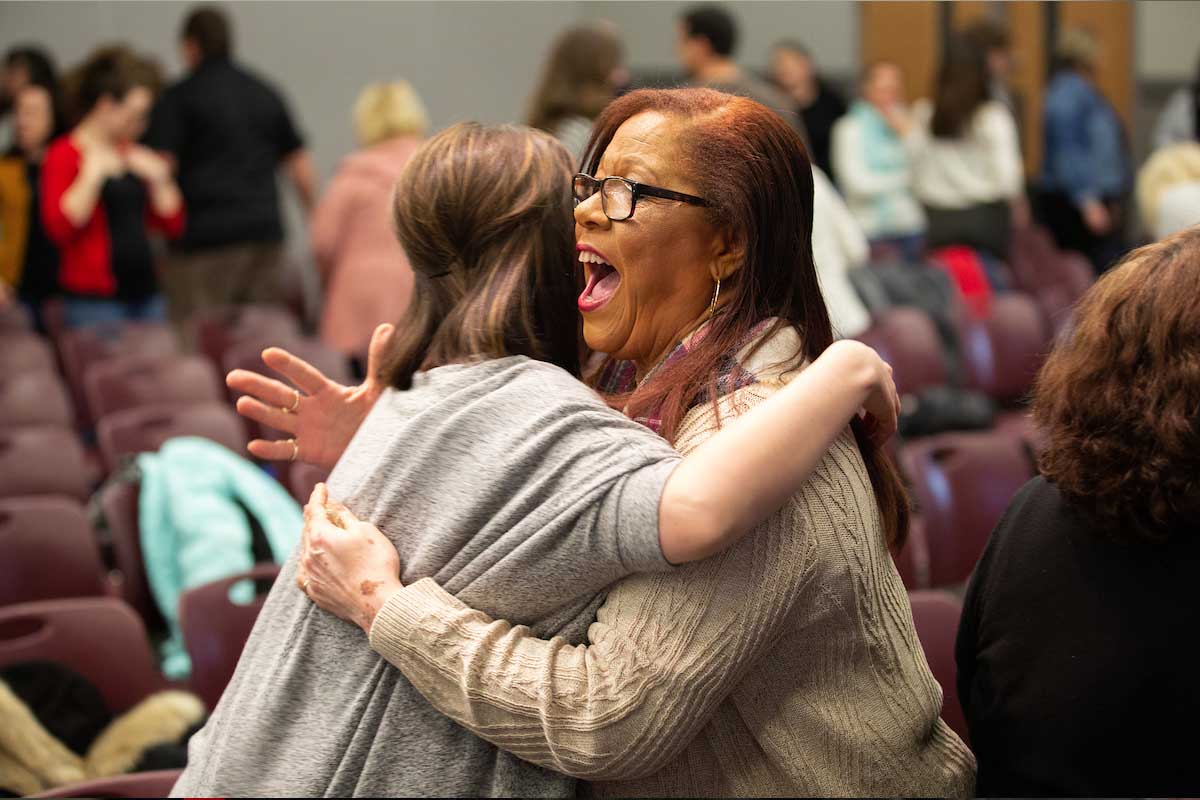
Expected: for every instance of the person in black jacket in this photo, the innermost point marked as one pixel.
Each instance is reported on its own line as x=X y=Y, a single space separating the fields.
x=1077 y=647
x=228 y=132
x=817 y=103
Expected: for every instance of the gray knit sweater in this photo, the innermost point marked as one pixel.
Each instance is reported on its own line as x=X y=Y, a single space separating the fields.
x=512 y=486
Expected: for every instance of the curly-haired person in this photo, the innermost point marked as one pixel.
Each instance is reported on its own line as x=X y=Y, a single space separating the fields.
x=1078 y=646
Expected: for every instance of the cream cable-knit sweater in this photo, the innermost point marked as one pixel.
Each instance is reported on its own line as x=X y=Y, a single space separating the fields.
x=787 y=665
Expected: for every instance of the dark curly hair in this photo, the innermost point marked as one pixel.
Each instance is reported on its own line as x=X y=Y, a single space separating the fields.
x=1120 y=396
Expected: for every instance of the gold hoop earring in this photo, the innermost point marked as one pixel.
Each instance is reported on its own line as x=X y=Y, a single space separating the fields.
x=712 y=307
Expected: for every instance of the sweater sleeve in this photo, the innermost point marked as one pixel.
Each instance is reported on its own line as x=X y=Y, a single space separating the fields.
x=854 y=176
x=665 y=652
x=1001 y=131
x=14 y=219
x=170 y=225
x=59 y=171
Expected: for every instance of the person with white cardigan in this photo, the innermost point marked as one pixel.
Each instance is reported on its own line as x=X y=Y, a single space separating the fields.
x=838 y=246
x=967 y=170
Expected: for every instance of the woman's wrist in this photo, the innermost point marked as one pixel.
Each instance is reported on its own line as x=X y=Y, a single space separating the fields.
x=855 y=363
x=374 y=599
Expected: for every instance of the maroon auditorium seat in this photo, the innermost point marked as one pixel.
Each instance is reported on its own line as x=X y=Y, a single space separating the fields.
x=912 y=560
x=100 y=638
x=248 y=355
x=935 y=616
x=47 y=551
x=215 y=629
x=907 y=340
x=138 y=784
x=220 y=329
x=1003 y=353
x=42 y=460
x=37 y=397
x=135 y=381
x=141 y=430
x=962 y=484
x=82 y=347
x=25 y=352
x=1055 y=278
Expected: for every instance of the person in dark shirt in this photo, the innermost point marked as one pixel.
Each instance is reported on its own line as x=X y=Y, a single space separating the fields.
x=817 y=103
x=228 y=132
x=705 y=43
x=28 y=259
x=1077 y=646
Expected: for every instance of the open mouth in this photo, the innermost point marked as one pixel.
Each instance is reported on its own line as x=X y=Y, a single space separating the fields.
x=602 y=281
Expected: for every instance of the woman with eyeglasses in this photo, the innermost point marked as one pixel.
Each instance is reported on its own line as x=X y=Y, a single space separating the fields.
x=786 y=664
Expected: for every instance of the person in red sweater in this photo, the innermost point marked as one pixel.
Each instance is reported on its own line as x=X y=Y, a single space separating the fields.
x=102 y=193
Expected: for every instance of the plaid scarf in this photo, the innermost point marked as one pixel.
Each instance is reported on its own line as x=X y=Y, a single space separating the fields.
x=620 y=377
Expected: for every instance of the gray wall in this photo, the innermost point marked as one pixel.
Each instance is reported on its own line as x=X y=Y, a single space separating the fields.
x=475 y=60
x=479 y=60
x=830 y=29
x=1166 y=39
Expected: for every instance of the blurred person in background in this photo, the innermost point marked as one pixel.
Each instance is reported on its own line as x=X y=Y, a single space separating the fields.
x=967 y=169
x=706 y=39
x=994 y=42
x=102 y=193
x=1086 y=171
x=1180 y=119
x=583 y=74
x=1076 y=663
x=817 y=103
x=23 y=65
x=1168 y=190
x=28 y=259
x=364 y=272
x=227 y=132
x=839 y=246
x=873 y=169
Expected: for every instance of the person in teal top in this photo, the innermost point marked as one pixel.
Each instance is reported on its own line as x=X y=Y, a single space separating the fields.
x=872 y=167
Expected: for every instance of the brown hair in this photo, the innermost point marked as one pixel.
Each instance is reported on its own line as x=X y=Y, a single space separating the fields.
x=988 y=34
x=577 y=78
x=208 y=28
x=484 y=214
x=1120 y=396
x=110 y=71
x=753 y=168
x=962 y=87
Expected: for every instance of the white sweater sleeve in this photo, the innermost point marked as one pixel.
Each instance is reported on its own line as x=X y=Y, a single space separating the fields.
x=1000 y=132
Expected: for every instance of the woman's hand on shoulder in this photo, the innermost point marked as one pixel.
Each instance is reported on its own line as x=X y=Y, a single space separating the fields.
x=346 y=566
x=321 y=415
x=881 y=409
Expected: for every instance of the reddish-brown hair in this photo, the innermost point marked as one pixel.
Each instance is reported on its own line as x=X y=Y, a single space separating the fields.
x=1119 y=398
x=753 y=168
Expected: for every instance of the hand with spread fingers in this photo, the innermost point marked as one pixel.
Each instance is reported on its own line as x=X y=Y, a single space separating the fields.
x=346 y=566
x=321 y=415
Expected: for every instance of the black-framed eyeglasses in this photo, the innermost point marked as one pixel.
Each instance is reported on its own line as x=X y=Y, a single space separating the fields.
x=619 y=196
